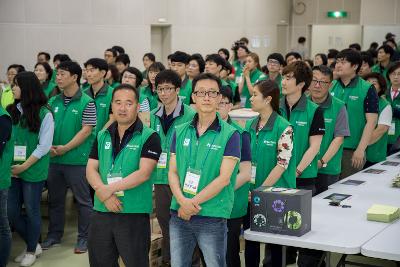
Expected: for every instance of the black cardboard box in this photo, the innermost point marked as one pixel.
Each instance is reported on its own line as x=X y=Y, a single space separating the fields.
x=281 y=211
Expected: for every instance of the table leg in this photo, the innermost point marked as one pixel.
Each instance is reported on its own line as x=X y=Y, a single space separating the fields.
x=328 y=259
x=283 y=256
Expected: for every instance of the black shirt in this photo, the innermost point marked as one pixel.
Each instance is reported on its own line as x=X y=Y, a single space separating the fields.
x=5 y=133
x=151 y=148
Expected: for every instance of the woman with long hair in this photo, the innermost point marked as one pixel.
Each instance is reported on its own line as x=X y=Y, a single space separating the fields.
x=33 y=128
x=44 y=73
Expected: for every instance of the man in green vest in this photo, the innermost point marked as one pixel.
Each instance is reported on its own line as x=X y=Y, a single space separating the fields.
x=336 y=128
x=385 y=52
x=204 y=155
x=242 y=184
x=100 y=91
x=275 y=61
x=6 y=157
x=75 y=121
x=164 y=120
x=361 y=101
x=121 y=162
x=179 y=61
x=393 y=96
x=308 y=124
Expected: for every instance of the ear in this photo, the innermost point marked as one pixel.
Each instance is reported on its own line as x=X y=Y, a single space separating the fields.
x=104 y=73
x=301 y=85
x=178 y=90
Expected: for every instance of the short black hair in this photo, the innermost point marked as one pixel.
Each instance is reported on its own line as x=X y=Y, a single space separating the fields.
x=227 y=92
x=18 y=67
x=119 y=49
x=180 y=56
x=97 y=63
x=373 y=45
x=61 y=58
x=225 y=51
x=150 y=56
x=355 y=46
x=367 y=58
x=387 y=48
x=128 y=87
x=168 y=76
x=73 y=68
x=381 y=81
x=301 y=72
x=227 y=66
x=113 y=51
x=325 y=70
x=323 y=57
x=332 y=53
x=392 y=68
x=156 y=66
x=217 y=59
x=278 y=57
x=138 y=74
x=123 y=58
x=389 y=35
x=301 y=40
x=46 y=55
x=295 y=54
x=352 y=56
x=309 y=61
x=391 y=41
x=114 y=73
x=47 y=68
x=206 y=76
x=200 y=60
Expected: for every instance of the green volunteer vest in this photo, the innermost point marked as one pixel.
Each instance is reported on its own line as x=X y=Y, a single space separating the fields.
x=278 y=81
x=205 y=153
x=301 y=118
x=6 y=160
x=185 y=92
x=7 y=97
x=241 y=194
x=377 y=152
x=331 y=108
x=238 y=68
x=353 y=96
x=103 y=103
x=383 y=71
x=146 y=93
x=22 y=136
x=160 y=175
x=85 y=86
x=255 y=76
x=264 y=151
x=114 y=84
x=395 y=103
x=139 y=198
x=48 y=87
x=68 y=122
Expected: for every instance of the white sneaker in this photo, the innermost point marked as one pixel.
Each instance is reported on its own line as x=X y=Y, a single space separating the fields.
x=28 y=260
x=20 y=257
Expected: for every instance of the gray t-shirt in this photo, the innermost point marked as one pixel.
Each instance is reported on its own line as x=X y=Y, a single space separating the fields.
x=342 y=124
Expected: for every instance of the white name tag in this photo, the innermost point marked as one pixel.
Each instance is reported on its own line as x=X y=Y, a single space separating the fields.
x=392 y=129
x=113 y=178
x=162 y=161
x=191 y=184
x=19 y=153
x=238 y=79
x=253 y=174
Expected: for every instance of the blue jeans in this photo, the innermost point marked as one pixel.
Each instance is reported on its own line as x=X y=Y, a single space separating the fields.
x=5 y=233
x=28 y=224
x=209 y=233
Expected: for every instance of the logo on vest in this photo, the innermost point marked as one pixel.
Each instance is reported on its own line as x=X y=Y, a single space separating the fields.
x=213 y=147
x=56 y=109
x=74 y=111
x=186 y=142
x=132 y=147
x=301 y=123
x=158 y=128
x=327 y=120
x=332 y=93
x=269 y=143
x=107 y=145
x=103 y=105
x=353 y=97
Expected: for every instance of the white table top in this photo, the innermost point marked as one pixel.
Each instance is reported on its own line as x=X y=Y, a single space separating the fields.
x=385 y=245
x=343 y=230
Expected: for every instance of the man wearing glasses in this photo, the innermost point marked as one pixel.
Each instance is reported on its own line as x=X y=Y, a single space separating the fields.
x=336 y=128
x=163 y=120
x=205 y=152
x=275 y=61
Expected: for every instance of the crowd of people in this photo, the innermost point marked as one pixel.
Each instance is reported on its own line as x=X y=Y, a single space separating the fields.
x=117 y=137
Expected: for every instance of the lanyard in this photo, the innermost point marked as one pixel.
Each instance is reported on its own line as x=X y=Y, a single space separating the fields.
x=114 y=155
x=197 y=144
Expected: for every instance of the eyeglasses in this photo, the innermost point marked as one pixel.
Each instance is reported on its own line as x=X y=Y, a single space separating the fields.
x=395 y=74
x=192 y=66
x=212 y=94
x=166 y=90
x=273 y=62
x=320 y=83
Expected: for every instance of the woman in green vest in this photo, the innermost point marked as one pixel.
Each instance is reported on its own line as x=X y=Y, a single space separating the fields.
x=393 y=96
x=148 y=98
x=271 y=148
x=112 y=76
x=251 y=74
x=33 y=128
x=44 y=72
x=376 y=151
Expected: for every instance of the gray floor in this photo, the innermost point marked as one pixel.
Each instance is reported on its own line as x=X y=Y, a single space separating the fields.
x=64 y=256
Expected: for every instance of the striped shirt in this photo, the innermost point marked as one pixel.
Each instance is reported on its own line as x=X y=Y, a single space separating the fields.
x=89 y=113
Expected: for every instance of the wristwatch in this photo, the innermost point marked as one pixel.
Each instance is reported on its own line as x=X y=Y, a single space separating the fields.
x=324 y=164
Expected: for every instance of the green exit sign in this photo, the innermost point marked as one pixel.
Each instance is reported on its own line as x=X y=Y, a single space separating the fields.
x=337 y=14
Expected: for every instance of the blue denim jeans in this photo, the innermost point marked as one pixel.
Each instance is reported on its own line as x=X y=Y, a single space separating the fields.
x=28 y=224
x=5 y=234
x=209 y=233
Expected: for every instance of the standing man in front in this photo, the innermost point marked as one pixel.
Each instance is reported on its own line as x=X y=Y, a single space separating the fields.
x=75 y=121
x=204 y=155
x=121 y=162
x=362 y=103
x=164 y=120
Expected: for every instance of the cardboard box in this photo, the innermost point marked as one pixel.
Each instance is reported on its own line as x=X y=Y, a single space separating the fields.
x=281 y=211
